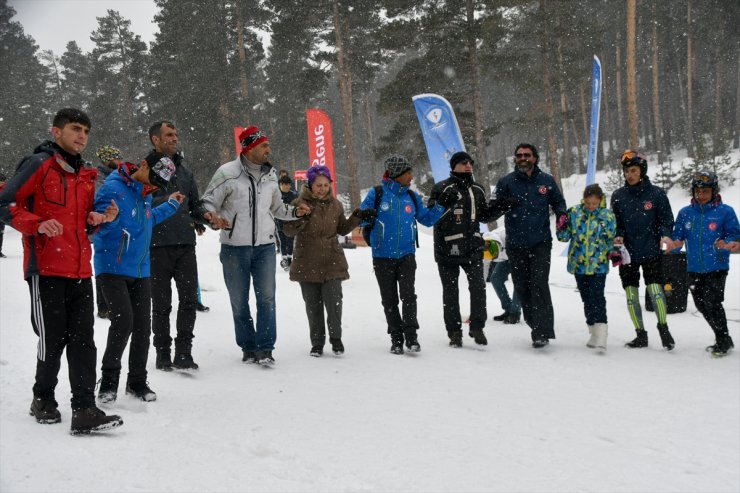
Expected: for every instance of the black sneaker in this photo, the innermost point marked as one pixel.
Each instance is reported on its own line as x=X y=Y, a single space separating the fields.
x=316 y=351
x=108 y=389
x=141 y=390
x=164 y=361
x=201 y=307
x=665 y=337
x=640 y=341
x=336 y=346
x=479 y=337
x=540 y=343
x=264 y=358
x=103 y=313
x=45 y=411
x=249 y=357
x=184 y=362
x=512 y=318
x=456 y=338
x=500 y=318
x=92 y=419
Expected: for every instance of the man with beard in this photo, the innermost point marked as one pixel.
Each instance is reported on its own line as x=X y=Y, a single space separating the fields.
x=529 y=194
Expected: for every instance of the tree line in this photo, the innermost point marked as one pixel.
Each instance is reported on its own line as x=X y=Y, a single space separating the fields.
x=514 y=71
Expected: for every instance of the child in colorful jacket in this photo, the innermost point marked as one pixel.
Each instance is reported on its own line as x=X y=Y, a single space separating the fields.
x=591 y=228
x=710 y=231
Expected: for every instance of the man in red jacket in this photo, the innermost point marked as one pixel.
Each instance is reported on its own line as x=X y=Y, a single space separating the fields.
x=50 y=201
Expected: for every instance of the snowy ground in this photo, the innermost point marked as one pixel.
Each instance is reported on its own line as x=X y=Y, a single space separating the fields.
x=504 y=417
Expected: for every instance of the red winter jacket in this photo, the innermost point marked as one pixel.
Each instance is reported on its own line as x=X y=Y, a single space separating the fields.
x=45 y=186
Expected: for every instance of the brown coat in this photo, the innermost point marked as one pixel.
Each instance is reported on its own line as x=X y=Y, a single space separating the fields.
x=317 y=256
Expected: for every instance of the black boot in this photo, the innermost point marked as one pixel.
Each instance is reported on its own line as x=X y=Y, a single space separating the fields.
x=141 y=390
x=45 y=411
x=500 y=318
x=264 y=358
x=249 y=357
x=665 y=337
x=316 y=351
x=397 y=342
x=164 y=361
x=478 y=336
x=456 y=339
x=184 y=361
x=722 y=346
x=512 y=318
x=640 y=341
x=92 y=419
x=108 y=390
x=336 y=345
x=412 y=342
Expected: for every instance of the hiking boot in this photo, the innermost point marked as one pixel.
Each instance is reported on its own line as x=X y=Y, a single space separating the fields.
x=141 y=390
x=336 y=345
x=164 y=361
x=665 y=337
x=108 y=389
x=184 y=361
x=249 y=357
x=722 y=346
x=397 y=343
x=265 y=358
x=478 y=336
x=45 y=411
x=201 y=307
x=512 y=318
x=540 y=343
x=412 y=342
x=500 y=318
x=456 y=338
x=640 y=341
x=316 y=351
x=92 y=419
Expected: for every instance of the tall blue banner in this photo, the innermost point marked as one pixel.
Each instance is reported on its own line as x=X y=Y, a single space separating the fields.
x=593 y=141
x=440 y=130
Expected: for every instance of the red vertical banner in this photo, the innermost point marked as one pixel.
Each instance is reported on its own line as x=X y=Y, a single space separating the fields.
x=320 y=142
x=237 y=144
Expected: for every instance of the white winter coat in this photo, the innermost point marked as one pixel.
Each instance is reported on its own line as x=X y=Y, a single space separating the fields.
x=499 y=236
x=249 y=205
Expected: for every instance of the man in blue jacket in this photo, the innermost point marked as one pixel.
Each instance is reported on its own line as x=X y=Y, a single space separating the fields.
x=393 y=242
x=644 y=225
x=528 y=193
x=710 y=231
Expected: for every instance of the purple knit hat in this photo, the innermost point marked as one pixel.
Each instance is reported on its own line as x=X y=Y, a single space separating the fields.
x=316 y=171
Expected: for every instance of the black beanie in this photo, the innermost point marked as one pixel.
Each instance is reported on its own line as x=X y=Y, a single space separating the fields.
x=460 y=157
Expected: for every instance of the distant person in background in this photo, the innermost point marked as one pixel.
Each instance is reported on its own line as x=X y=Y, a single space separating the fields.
x=529 y=193
x=590 y=227
x=200 y=230
x=3 y=179
x=286 y=243
x=110 y=159
x=499 y=274
x=644 y=225
x=710 y=231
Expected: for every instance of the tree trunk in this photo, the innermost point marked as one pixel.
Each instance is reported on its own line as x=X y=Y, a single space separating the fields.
x=656 y=89
x=581 y=165
x=480 y=143
x=689 y=82
x=620 y=104
x=609 y=128
x=567 y=151
x=552 y=148
x=736 y=142
x=370 y=129
x=718 y=134
x=243 y=86
x=345 y=96
x=634 y=141
x=584 y=112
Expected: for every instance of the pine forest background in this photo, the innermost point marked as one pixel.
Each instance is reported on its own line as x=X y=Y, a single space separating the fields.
x=513 y=70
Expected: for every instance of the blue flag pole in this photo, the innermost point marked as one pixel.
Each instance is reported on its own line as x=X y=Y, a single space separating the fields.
x=595 y=116
x=440 y=130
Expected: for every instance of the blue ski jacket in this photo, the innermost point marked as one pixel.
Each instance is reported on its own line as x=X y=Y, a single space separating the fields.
x=122 y=246
x=394 y=234
x=699 y=227
x=528 y=223
x=644 y=216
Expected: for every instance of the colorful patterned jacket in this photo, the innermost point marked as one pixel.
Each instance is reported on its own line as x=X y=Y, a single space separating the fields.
x=591 y=236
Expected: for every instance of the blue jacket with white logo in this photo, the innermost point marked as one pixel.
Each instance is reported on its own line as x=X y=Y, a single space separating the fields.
x=122 y=246
x=699 y=227
x=394 y=234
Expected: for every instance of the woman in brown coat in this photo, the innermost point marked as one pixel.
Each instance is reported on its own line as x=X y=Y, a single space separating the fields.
x=319 y=264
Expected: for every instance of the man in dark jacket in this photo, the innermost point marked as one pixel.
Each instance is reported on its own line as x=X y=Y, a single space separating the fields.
x=458 y=243
x=173 y=257
x=528 y=193
x=644 y=224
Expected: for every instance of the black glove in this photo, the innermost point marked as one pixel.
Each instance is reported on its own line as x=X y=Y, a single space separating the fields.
x=366 y=215
x=447 y=198
x=503 y=205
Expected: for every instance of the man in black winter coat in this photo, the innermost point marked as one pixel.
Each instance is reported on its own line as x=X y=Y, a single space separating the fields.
x=458 y=243
x=528 y=194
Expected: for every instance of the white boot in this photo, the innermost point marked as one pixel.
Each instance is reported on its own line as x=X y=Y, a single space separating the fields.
x=600 y=333
x=592 y=341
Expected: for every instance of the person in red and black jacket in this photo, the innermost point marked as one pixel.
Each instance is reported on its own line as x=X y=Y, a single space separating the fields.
x=50 y=201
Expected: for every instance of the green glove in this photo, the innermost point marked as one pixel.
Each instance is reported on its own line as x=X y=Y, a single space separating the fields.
x=493 y=248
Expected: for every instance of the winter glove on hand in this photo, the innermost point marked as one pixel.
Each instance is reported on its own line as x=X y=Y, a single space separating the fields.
x=447 y=198
x=562 y=222
x=365 y=215
x=508 y=203
x=616 y=258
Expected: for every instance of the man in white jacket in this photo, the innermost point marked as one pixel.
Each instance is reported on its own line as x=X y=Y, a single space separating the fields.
x=244 y=194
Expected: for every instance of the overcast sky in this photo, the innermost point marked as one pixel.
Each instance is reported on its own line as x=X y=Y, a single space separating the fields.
x=53 y=23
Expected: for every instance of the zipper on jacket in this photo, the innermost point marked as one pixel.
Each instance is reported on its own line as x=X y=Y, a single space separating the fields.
x=253 y=207
x=701 y=237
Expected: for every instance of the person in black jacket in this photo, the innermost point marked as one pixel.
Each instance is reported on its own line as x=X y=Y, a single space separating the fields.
x=286 y=243
x=458 y=243
x=173 y=257
x=527 y=194
x=644 y=225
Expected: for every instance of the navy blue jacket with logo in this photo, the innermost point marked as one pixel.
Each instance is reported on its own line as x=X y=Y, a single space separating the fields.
x=528 y=223
x=643 y=216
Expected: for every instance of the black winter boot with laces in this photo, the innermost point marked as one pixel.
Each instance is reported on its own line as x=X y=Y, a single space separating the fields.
x=92 y=419
x=412 y=342
x=141 y=390
x=45 y=411
x=397 y=342
x=108 y=390
x=640 y=341
x=337 y=347
x=456 y=338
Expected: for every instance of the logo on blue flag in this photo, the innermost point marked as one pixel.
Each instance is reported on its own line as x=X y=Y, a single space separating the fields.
x=440 y=131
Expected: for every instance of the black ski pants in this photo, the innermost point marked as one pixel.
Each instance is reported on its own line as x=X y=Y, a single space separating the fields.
x=530 y=271
x=708 y=291
x=176 y=262
x=449 y=275
x=397 y=277
x=129 y=301
x=62 y=315
x=320 y=296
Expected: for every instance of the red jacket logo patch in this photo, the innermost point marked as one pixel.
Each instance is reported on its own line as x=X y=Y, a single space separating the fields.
x=543 y=190
x=712 y=226
x=408 y=209
x=648 y=205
